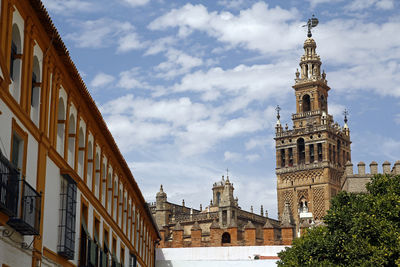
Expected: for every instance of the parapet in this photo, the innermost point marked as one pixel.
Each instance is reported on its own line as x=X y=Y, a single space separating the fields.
x=355 y=182
x=373 y=166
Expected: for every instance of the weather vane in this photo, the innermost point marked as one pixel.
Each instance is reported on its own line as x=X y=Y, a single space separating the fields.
x=313 y=22
x=345 y=113
x=277 y=110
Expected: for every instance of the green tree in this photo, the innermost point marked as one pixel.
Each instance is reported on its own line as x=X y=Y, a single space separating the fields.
x=361 y=229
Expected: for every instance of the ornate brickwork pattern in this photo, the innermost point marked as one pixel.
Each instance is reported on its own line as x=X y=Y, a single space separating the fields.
x=319 y=202
x=302 y=193
x=304 y=175
x=287 y=197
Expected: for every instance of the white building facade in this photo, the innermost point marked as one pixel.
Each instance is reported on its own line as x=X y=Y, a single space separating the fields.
x=67 y=196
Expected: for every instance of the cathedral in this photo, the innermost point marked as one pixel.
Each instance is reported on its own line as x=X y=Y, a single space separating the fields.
x=313 y=163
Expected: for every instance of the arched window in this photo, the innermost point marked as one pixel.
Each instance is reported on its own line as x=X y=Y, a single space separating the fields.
x=103 y=185
x=226 y=238
x=71 y=140
x=303 y=205
x=89 y=171
x=97 y=176
x=115 y=202
x=339 y=160
x=81 y=152
x=60 y=126
x=35 y=91
x=323 y=103
x=218 y=198
x=120 y=203
x=109 y=192
x=306 y=103
x=301 y=151
x=16 y=63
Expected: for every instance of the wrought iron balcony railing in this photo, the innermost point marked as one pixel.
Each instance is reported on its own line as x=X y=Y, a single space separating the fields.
x=8 y=187
x=27 y=219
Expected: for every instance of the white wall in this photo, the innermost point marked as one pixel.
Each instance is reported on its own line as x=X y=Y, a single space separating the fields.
x=51 y=206
x=217 y=256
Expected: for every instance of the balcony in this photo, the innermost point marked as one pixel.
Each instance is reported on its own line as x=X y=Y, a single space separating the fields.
x=8 y=187
x=27 y=218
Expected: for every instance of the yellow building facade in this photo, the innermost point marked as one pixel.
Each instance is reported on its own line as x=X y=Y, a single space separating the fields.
x=67 y=196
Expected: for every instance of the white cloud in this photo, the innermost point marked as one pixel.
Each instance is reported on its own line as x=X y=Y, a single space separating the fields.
x=358 y=5
x=160 y=45
x=67 y=7
x=102 y=79
x=397 y=118
x=336 y=110
x=232 y=156
x=105 y=32
x=130 y=79
x=257 y=82
x=258 y=28
x=256 y=143
x=178 y=63
x=233 y=4
x=129 y=42
x=314 y=3
x=134 y=3
x=253 y=157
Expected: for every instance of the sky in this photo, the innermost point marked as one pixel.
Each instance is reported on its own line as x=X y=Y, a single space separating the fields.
x=189 y=88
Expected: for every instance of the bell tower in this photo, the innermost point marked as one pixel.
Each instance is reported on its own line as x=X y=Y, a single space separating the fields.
x=311 y=156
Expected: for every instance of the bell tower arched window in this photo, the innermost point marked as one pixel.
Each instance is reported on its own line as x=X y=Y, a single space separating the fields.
x=306 y=103
x=301 y=151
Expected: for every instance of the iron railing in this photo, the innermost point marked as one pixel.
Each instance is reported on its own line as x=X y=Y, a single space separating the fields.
x=27 y=219
x=8 y=187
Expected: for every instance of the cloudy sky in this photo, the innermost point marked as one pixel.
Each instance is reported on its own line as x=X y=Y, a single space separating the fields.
x=189 y=88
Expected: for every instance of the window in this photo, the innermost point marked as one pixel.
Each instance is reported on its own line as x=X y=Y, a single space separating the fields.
x=13 y=59
x=226 y=238
x=17 y=151
x=60 y=127
x=132 y=260
x=66 y=245
x=8 y=187
x=301 y=151
x=319 y=146
x=122 y=256
x=224 y=217
x=35 y=91
x=81 y=152
x=306 y=103
x=283 y=158
x=71 y=140
x=84 y=238
x=290 y=152
x=16 y=63
x=311 y=153
x=89 y=170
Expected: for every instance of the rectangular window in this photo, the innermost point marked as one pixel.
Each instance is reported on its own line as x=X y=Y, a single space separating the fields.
x=122 y=256
x=8 y=187
x=84 y=238
x=17 y=151
x=282 y=158
x=311 y=153
x=66 y=245
x=290 y=152
x=132 y=260
x=319 y=152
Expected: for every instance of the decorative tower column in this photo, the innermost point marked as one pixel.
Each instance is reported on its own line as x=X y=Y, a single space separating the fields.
x=311 y=173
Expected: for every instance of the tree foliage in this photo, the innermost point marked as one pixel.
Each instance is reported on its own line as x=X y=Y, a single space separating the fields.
x=361 y=229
